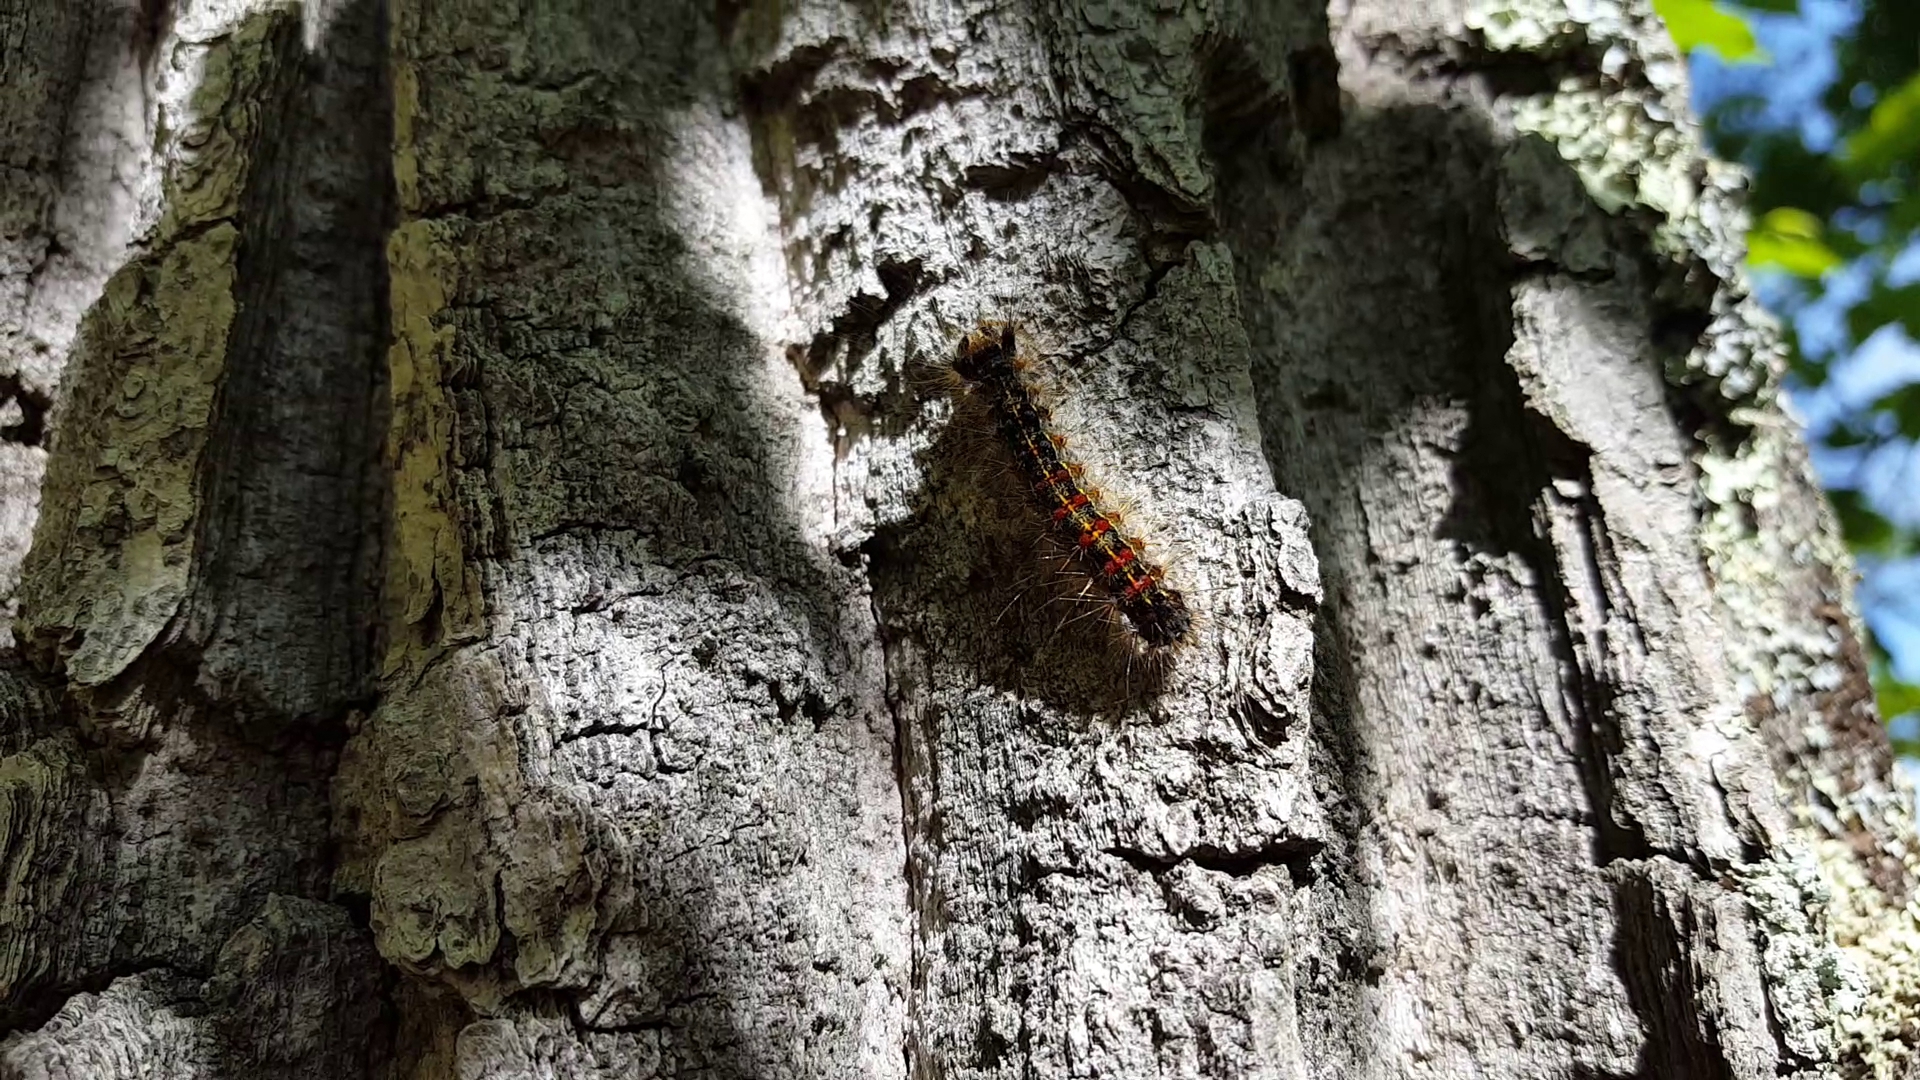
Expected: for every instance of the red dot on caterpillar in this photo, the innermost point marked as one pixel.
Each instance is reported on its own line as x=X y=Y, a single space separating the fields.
x=989 y=367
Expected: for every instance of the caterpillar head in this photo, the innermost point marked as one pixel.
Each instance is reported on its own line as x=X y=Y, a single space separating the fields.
x=985 y=353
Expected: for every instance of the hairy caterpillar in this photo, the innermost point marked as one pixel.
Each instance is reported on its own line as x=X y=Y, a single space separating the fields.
x=988 y=367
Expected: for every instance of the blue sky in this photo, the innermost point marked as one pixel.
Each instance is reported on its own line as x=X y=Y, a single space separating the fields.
x=1799 y=69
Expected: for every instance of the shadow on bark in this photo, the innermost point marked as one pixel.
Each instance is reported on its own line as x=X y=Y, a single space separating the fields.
x=1663 y=979
x=671 y=641
x=974 y=570
x=1392 y=329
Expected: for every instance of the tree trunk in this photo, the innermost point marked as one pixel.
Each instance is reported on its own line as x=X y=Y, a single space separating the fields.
x=505 y=602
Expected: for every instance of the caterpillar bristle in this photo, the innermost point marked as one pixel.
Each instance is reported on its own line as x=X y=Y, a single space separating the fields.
x=1086 y=523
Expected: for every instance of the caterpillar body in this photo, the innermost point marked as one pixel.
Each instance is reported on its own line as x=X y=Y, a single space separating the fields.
x=987 y=365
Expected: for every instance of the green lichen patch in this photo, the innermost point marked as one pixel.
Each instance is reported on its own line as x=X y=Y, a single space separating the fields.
x=114 y=546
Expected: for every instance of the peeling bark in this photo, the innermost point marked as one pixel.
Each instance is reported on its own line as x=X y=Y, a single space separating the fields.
x=505 y=600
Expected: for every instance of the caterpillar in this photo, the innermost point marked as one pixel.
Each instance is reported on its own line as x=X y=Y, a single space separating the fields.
x=988 y=366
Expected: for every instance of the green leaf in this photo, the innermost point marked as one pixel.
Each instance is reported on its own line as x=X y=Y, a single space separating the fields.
x=1903 y=217
x=1698 y=24
x=1895 y=698
x=1892 y=134
x=1904 y=405
x=1786 y=173
x=1878 y=53
x=1844 y=435
x=1885 y=306
x=1783 y=7
x=1790 y=239
x=1864 y=527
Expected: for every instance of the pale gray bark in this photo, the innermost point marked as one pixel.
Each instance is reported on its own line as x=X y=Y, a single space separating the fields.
x=503 y=602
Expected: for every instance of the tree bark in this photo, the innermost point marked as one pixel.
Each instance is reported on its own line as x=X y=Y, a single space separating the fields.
x=503 y=600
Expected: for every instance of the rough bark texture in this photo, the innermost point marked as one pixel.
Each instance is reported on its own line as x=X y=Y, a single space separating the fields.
x=505 y=602
x=195 y=609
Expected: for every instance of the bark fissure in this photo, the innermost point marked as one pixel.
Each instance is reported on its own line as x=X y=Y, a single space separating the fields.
x=1295 y=857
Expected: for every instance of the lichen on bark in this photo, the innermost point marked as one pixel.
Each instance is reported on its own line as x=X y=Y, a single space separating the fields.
x=1778 y=570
